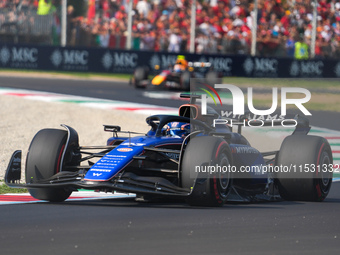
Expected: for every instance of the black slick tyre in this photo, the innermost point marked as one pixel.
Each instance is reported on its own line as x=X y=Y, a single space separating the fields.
x=309 y=159
x=44 y=160
x=185 y=81
x=140 y=74
x=207 y=189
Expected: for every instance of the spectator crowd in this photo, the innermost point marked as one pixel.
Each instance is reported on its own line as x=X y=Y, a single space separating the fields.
x=21 y=23
x=222 y=26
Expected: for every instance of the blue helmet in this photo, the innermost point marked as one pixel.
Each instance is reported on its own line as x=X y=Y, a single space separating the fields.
x=177 y=129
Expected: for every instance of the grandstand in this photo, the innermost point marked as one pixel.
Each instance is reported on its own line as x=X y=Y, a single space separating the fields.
x=222 y=26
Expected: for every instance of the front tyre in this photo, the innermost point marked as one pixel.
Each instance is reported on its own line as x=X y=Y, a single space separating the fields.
x=312 y=158
x=44 y=160
x=207 y=188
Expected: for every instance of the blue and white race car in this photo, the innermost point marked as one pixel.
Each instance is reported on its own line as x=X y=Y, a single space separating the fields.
x=183 y=156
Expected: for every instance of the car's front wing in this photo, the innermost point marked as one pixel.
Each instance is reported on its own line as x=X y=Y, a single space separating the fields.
x=125 y=182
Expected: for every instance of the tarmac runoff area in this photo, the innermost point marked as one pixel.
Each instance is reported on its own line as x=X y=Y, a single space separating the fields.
x=23 y=114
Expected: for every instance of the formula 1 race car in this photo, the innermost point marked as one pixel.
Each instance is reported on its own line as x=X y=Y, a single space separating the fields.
x=176 y=77
x=180 y=157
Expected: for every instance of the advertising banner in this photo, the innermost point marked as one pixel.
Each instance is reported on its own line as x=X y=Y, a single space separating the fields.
x=101 y=60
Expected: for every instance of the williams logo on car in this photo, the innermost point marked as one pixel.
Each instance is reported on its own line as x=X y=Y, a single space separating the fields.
x=174 y=156
x=124 y=149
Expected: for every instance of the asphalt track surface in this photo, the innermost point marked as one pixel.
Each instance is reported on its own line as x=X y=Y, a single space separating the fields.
x=123 y=226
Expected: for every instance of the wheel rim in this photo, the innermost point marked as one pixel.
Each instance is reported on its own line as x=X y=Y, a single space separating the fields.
x=224 y=177
x=325 y=175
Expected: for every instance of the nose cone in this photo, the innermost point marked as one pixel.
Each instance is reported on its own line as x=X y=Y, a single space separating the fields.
x=157 y=80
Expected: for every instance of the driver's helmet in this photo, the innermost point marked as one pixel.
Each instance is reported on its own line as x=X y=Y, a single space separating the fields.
x=177 y=129
x=183 y=62
x=179 y=68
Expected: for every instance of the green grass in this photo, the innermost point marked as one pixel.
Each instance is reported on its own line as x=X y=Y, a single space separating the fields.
x=74 y=74
x=5 y=189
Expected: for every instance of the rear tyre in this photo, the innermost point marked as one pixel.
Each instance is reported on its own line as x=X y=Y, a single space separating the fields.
x=311 y=156
x=185 y=80
x=212 y=78
x=208 y=189
x=44 y=161
x=140 y=74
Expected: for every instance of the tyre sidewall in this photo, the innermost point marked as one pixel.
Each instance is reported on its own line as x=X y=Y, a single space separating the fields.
x=297 y=151
x=206 y=189
x=44 y=161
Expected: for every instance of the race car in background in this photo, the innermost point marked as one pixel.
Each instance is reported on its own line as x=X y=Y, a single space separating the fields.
x=175 y=159
x=175 y=77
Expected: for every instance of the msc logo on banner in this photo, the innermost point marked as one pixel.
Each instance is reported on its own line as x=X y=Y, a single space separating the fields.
x=306 y=69
x=261 y=67
x=70 y=59
x=19 y=57
x=123 y=61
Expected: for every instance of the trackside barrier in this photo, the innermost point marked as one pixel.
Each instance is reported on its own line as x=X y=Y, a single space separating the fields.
x=103 y=60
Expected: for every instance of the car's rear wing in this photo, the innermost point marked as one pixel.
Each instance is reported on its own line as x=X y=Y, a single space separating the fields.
x=199 y=64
